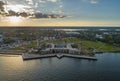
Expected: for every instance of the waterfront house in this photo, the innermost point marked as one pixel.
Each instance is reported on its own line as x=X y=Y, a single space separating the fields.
x=59 y=48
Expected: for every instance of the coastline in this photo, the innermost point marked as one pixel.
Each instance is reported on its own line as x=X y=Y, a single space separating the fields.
x=26 y=56
x=107 y=52
x=10 y=53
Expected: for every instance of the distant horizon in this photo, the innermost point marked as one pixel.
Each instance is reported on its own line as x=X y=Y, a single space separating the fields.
x=60 y=27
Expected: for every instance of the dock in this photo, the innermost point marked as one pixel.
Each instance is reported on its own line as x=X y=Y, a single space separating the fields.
x=26 y=56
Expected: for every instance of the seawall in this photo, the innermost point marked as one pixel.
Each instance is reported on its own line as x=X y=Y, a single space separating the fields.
x=33 y=56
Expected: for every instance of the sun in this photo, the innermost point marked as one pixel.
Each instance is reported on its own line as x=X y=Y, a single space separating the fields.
x=14 y=19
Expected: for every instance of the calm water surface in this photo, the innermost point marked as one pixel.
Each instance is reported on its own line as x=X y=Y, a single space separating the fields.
x=106 y=68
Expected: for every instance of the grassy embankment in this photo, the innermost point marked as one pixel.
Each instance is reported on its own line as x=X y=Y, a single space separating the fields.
x=86 y=45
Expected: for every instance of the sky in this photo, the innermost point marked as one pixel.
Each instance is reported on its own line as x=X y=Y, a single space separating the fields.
x=61 y=13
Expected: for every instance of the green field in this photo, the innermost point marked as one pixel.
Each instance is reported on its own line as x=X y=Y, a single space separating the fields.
x=84 y=45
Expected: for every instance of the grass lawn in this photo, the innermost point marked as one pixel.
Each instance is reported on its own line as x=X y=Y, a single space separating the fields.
x=85 y=44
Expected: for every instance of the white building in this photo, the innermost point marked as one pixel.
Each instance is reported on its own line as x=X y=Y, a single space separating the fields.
x=60 y=48
x=99 y=36
x=73 y=33
x=48 y=38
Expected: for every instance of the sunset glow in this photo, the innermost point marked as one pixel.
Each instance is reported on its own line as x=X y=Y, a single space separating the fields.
x=60 y=13
x=14 y=19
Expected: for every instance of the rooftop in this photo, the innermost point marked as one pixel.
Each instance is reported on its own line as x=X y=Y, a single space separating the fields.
x=60 y=46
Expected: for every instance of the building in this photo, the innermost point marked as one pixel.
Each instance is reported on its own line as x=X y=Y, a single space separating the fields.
x=48 y=38
x=59 y=48
x=99 y=36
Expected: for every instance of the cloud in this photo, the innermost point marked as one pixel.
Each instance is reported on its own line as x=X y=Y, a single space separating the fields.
x=30 y=2
x=41 y=15
x=91 y=1
x=31 y=7
x=32 y=16
x=1 y=6
x=42 y=1
x=52 y=1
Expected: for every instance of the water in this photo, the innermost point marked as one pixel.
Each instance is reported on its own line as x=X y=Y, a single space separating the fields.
x=106 y=68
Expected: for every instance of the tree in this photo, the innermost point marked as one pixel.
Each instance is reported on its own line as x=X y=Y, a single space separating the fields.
x=8 y=40
x=108 y=39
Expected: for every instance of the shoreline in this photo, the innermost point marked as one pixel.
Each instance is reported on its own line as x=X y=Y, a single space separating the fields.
x=20 y=53
x=26 y=56
x=108 y=52
x=10 y=53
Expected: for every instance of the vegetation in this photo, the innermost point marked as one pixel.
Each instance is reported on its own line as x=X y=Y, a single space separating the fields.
x=87 y=47
x=8 y=40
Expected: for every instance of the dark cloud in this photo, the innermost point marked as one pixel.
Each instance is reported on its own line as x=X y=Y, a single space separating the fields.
x=27 y=14
x=41 y=15
x=35 y=15
x=1 y=5
x=13 y=13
